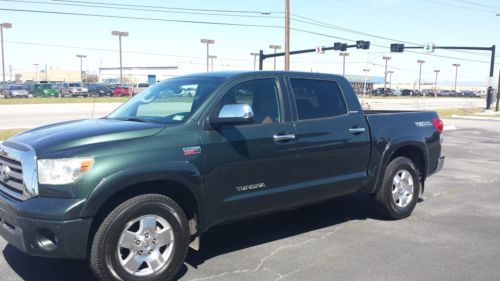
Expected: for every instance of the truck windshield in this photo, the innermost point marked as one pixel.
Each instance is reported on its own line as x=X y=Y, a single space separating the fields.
x=169 y=102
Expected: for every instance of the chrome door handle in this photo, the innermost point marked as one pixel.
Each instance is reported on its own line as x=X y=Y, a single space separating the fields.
x=284 y=137
x=357 y=130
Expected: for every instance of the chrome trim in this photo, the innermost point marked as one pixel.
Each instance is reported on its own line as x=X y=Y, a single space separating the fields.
x=357 y=130
x=236 y=111
x=27 y=157
x=283 y=137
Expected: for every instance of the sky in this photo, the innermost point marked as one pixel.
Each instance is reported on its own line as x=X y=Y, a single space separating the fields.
x=156 y=40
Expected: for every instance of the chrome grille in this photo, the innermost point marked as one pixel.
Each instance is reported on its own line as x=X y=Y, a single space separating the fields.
x=11 y=177
x=17 y=171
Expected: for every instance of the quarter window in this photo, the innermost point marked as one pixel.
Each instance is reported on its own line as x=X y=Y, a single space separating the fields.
x=317 y=98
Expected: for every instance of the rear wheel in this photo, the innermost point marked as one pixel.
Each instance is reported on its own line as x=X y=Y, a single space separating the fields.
x=145 y=238
x=400 y=189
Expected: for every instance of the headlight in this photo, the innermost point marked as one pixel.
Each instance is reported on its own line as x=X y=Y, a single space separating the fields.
x=62 y=171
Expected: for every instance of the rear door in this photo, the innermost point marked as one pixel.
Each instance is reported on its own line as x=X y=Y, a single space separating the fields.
x=247 y=167
x=332 y=141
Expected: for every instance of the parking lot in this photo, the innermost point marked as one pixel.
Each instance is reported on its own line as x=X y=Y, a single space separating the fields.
x=454 y=233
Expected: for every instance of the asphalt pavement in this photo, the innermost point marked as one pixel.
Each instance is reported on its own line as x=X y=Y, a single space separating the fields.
x=453 y=234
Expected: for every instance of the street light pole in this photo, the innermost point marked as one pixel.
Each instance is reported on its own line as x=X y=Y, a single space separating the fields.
x=456 y=65
x=386 y=58
x=436 y=82
x=5 y=25
x=255 y=55
x=420 y=75
x=81 y=65
x=208 y=42
x=343 y=55
x=275 y=47
x=390 y=72
x=212 y=62
x=120 y=34
x=366 y=70
x=36 y=71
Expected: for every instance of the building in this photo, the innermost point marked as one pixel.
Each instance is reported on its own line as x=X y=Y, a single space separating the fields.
x=138 y=74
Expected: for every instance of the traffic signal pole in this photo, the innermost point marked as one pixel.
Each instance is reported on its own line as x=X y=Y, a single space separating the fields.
x=365 y=45
x=399 y=48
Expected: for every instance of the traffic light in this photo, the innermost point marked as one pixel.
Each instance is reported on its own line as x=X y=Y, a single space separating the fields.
x=343 y=47
x=337 y=46
x=397 y=48
x=365 y=45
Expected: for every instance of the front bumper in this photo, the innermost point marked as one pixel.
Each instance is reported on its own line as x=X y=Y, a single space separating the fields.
x=40 y=236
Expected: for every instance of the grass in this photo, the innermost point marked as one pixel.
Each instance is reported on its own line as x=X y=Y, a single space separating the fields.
x=448 y=112
x=5 y=134
x=62 y=100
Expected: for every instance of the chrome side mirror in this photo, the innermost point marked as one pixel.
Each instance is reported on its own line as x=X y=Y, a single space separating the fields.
x=234 y=114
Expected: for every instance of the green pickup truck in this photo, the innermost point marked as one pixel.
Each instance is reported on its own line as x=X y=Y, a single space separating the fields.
x=131 y=192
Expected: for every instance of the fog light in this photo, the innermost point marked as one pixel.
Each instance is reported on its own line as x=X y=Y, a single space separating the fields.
x=47 y=240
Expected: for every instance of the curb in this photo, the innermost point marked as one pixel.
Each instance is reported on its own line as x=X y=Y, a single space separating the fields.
x=475 y=117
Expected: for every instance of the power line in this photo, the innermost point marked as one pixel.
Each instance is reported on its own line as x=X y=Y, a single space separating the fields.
x=139 y=18
x=146 y=10
x=477 y=4
x=459 y=7
x=166 y=8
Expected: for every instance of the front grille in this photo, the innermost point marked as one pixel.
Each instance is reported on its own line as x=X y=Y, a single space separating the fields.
x=11 y=178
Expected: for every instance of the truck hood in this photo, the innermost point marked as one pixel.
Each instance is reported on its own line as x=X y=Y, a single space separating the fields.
x=74 y=134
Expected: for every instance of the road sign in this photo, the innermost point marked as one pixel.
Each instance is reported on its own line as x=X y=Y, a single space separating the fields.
x=489 y=81
x=151 y=79
x=319 y=50
x=429 y=48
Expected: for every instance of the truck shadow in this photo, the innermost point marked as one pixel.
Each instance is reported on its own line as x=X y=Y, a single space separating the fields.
x=218 y=241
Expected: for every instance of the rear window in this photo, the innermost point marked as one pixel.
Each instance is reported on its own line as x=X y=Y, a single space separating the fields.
x=74 y=85
x=16 y=88
x=317 y=98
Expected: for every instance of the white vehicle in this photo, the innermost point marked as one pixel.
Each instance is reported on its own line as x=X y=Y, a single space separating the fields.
x=16 y=91
x=139 y=87
x=74 y=90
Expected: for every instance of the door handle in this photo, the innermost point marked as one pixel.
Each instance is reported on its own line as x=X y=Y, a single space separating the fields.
x=355 y=131
x=286 y=137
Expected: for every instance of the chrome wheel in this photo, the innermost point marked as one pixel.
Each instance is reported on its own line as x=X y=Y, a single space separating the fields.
x=402 y=188
x=145 y=245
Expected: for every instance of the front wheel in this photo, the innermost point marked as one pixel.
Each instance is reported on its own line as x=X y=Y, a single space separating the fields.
x=400 y=189
x=145 y=238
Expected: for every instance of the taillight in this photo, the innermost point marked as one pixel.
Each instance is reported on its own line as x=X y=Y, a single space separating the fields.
x=438 y=124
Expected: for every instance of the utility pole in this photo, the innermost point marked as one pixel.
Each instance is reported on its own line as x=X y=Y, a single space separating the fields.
x=498 y=92
x=275 y=47
x=343 y=55
x=436 y=82
x=81 y=65
x=46 y=74
x=456 y=65
x=420 y=75
x=212 y=62
x=386 y=58
x=255 y=55
x=208 y=42
x=120 y=34
x=5 y=25
x=10 y=72
x=36 y=72
x=287 y=35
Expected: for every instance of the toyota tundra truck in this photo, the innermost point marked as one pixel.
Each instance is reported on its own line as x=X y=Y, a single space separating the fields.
x=132 y=191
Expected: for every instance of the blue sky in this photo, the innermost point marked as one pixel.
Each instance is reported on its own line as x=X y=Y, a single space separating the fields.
x=443 y=22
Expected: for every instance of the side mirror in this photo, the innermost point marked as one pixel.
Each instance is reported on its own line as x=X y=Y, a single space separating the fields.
x=234 y=114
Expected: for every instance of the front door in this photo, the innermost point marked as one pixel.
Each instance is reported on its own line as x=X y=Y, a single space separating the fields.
x=246 y=166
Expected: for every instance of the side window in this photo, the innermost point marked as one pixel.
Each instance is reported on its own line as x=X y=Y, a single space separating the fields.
x=317 y=98
x=262 y=95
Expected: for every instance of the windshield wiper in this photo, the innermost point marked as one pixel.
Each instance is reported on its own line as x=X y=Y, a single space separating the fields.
x=135 y=119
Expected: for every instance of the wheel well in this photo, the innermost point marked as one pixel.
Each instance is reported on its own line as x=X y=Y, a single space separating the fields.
x=415 y=155
x=172 y=189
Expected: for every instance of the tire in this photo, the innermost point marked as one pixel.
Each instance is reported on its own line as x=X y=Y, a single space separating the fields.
x=394 y=202
x=106 y=254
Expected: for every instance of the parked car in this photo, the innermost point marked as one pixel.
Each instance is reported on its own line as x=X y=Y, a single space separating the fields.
x=445 y=93
x=139 y=87
x=45 y=90
x=470 y=94
x=121 y=91
x=101 y=90
x=131 y=191
x=381 y=91
x=15 y=91
x=73 y=90
x=407 y=92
